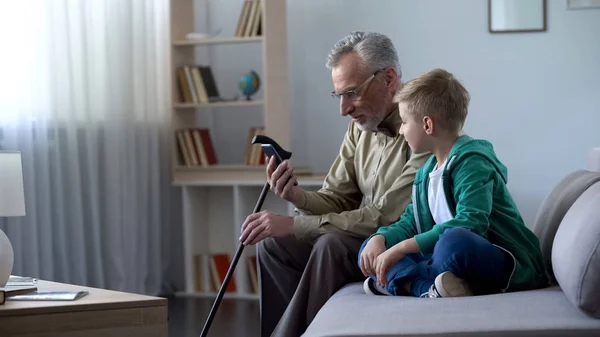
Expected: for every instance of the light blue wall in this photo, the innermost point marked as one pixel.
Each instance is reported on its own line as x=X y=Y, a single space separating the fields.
x=536 y=96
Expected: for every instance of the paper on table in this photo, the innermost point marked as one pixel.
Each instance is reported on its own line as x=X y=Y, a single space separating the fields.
x=20 y=281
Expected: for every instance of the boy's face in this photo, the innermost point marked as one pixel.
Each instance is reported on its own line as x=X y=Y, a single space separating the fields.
x=412 y=130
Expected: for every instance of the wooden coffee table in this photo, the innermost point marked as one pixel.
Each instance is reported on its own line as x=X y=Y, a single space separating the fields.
x=101 y=313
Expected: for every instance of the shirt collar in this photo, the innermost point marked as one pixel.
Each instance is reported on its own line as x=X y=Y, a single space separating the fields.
x=390 y=126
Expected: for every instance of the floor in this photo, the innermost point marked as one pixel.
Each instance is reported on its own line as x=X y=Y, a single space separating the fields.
x=187 y=317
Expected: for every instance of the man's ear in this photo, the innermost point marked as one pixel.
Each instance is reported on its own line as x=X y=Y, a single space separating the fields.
x=391 y=77
x=428 y=125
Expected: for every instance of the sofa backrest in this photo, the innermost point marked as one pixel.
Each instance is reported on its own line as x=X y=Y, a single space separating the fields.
x=576 y=252
x=553 y=210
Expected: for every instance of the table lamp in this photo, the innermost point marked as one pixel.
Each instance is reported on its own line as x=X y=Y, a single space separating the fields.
x=12 y=203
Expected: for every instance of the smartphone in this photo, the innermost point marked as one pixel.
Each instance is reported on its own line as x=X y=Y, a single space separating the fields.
x=270 y=151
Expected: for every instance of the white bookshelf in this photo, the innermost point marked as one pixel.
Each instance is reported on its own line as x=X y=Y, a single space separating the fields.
x=213 y=215
x=213 y=295
x=216 y=199
x=270 y=108
x=224 y=104
x=227 y=40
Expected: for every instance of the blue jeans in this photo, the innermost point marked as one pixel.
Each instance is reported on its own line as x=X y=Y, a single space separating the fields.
x=469 y=256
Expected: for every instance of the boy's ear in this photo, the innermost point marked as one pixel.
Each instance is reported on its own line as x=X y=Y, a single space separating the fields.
x=428 y=125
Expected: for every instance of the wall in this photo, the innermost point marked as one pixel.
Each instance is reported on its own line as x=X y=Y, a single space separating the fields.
x=536 y=96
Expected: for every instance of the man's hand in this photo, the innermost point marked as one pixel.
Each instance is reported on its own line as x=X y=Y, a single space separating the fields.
x=282 y=181
x=368 y=257
x=385 y=261
x=261 y=225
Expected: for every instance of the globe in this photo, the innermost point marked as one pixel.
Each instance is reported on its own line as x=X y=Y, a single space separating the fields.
x=249 y=84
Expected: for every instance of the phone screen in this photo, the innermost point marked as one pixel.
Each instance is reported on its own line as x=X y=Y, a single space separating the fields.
x=270 y=151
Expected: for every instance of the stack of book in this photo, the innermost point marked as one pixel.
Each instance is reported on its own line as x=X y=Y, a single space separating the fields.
x=197 y=84
x=17 y=285
x=254 y=154
x=195 y=147
x=20 y=288
x=250 y=22
x=210 y=271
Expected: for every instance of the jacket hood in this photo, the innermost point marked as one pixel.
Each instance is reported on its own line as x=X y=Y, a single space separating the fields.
x=466 y=146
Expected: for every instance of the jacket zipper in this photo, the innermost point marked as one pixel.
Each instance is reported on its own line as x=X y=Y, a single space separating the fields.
x=514 y=266
x=416 y=209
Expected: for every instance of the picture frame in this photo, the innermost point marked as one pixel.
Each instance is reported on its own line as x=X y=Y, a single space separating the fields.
x=517 y=16
x=582 y=4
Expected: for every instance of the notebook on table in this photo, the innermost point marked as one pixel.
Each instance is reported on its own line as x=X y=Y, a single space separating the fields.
x=10 y=291
x=49 y=296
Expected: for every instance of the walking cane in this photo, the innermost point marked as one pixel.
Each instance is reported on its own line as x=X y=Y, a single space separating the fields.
x=270 y=148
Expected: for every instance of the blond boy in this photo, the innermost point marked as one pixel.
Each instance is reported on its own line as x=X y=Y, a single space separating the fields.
x=462 y=234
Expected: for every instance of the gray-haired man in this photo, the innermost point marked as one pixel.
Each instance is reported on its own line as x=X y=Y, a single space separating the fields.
x=305 y=259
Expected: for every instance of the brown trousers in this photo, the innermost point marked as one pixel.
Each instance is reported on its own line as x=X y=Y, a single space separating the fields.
x=298 y=277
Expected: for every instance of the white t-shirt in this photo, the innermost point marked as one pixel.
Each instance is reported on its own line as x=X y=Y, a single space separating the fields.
x=437 y=198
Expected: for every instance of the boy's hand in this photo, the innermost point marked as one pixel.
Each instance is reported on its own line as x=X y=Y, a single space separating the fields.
x=368 y=257
x=385 y=261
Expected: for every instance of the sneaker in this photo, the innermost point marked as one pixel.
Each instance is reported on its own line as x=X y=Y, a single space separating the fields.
x=372 y=288
x=447 y=284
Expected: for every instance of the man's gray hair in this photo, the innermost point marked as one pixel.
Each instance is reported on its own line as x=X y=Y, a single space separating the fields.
x=376 y=50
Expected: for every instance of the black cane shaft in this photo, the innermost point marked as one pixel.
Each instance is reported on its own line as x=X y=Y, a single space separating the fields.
x=234 y=262
x=261 y=198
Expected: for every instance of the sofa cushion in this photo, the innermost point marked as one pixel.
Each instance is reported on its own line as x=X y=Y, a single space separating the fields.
x=576 y=252
x=545 y=312
x=555 y=206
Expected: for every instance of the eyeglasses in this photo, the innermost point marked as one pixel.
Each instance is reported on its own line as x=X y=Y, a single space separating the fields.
x=355 y=93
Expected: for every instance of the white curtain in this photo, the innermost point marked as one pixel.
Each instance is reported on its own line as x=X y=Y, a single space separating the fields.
x=83 y=96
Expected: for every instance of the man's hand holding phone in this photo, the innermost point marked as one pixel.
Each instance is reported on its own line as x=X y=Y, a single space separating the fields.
x=283 y=182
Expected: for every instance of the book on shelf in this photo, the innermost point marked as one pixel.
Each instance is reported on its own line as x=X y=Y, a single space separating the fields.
x=196 y=84
x=254 y=153
x=253 y=274
x=250 y=19
x=210 y=271
x=195 y=147
x=219 y=264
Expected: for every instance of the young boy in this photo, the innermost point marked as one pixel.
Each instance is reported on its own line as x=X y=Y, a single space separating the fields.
x=462 y=234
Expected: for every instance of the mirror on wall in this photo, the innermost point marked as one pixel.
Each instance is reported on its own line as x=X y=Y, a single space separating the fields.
x=515 y=16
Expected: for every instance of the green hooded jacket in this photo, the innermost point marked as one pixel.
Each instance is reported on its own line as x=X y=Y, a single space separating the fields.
x=474 y=182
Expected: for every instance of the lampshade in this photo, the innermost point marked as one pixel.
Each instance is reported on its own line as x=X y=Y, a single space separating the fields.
x=12 y=197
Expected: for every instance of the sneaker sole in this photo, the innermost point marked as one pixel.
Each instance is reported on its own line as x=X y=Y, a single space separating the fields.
x=448 y=285
x=369 y=288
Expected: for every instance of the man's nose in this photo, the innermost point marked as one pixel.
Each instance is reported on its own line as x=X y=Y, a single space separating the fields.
x=346 y=106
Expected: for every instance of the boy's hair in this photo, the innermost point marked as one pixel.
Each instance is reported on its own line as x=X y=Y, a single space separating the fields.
x=439 y=95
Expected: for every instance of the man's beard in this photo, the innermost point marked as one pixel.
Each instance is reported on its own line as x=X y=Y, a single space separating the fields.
x=371 y=123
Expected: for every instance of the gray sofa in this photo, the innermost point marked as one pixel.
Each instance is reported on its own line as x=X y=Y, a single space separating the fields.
x=568 y=226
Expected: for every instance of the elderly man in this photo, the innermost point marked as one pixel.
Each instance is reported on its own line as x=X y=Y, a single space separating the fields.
x=304 y=259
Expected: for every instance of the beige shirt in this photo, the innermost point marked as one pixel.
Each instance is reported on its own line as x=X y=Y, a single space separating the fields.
x=368 y=185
